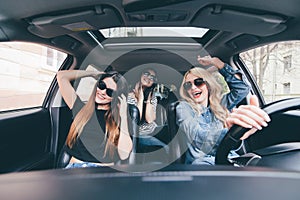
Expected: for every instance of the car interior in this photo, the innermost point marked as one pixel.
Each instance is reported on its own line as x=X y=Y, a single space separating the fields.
x=32 y=139
x=76 y=31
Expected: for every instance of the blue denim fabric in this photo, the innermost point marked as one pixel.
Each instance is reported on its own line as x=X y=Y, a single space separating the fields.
x=204 y=131
x=81 y=165
x=152 y=141
x=239 y=89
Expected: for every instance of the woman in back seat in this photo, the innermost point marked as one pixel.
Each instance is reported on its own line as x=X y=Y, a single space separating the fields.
x=142 y=96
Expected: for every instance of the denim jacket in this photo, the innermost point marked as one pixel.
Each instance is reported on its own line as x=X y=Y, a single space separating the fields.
x=204 y=131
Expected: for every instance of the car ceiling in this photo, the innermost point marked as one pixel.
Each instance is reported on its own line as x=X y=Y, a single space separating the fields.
x=236 y=25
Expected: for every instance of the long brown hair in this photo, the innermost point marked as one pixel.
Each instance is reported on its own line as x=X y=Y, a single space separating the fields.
x=215 y=93
x=112 y=115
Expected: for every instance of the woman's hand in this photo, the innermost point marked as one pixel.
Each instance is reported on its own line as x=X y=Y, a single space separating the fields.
x=125 y=142
x=207 y=60
x=138 y=91
x=97 y=74
x=64 y=78
x=249 y=116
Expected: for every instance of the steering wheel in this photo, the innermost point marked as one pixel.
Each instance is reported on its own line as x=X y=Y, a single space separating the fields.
x=232 y=138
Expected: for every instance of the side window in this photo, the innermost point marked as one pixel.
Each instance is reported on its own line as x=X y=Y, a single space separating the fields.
x=26 y=72
x=276 y=69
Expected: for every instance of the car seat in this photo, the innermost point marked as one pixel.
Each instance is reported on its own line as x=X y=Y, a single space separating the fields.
x=178 y=141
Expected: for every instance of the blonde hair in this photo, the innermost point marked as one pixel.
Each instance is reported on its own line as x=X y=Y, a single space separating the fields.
x=111 y=117
x=214 y=91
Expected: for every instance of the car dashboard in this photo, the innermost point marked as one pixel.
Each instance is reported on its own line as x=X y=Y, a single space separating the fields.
x=173 y=182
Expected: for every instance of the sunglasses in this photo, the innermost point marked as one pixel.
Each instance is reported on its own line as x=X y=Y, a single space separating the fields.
x=197 y=82
x=150 y=76
x=102 y=86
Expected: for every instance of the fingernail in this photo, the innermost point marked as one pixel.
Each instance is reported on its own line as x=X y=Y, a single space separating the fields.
x=264 y=124
x=249 y=126
x=267 y=118
x=258 y=127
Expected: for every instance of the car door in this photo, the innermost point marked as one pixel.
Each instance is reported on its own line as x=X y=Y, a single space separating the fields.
x=27 y=138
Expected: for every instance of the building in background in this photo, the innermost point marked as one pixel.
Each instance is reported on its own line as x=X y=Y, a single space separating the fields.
x=276 y=68
x=27 y=71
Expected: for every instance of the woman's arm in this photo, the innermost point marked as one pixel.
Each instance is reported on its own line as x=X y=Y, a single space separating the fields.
x=216 y=62
x=151 y=104
x=139 y=96
x=64 y=79
x=234 y=78
x=125 y=142
x=239 y=88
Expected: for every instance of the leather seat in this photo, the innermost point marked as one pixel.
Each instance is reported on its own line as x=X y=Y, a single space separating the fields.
x=63 y=158
x=134 y=129
x=178 y=140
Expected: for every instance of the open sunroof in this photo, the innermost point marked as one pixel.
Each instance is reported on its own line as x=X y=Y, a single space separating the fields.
x=121 y=32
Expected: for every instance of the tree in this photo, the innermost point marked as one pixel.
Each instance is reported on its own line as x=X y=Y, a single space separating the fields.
x=259 y=59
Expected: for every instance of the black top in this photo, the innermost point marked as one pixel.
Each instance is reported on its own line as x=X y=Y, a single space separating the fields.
x=90 y=145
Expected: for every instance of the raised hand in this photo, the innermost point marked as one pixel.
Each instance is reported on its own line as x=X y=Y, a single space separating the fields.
x=97 y=74
x=207 y=60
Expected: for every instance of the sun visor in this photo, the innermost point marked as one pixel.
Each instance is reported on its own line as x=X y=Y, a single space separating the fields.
x=239 y=20
x=92 y=19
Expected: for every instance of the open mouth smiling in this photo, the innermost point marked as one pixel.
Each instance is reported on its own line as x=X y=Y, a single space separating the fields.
x=197 y=94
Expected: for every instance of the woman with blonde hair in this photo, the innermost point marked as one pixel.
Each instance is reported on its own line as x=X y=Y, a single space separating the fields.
x=99 y=132
x=204 y=112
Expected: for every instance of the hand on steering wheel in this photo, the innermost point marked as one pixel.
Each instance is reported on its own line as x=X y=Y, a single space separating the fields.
x=237 y=132
x=249 y=116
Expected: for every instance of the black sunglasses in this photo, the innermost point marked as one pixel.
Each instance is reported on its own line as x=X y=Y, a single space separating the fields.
x=102 y=86
x=150 y=76
x=197 y=82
